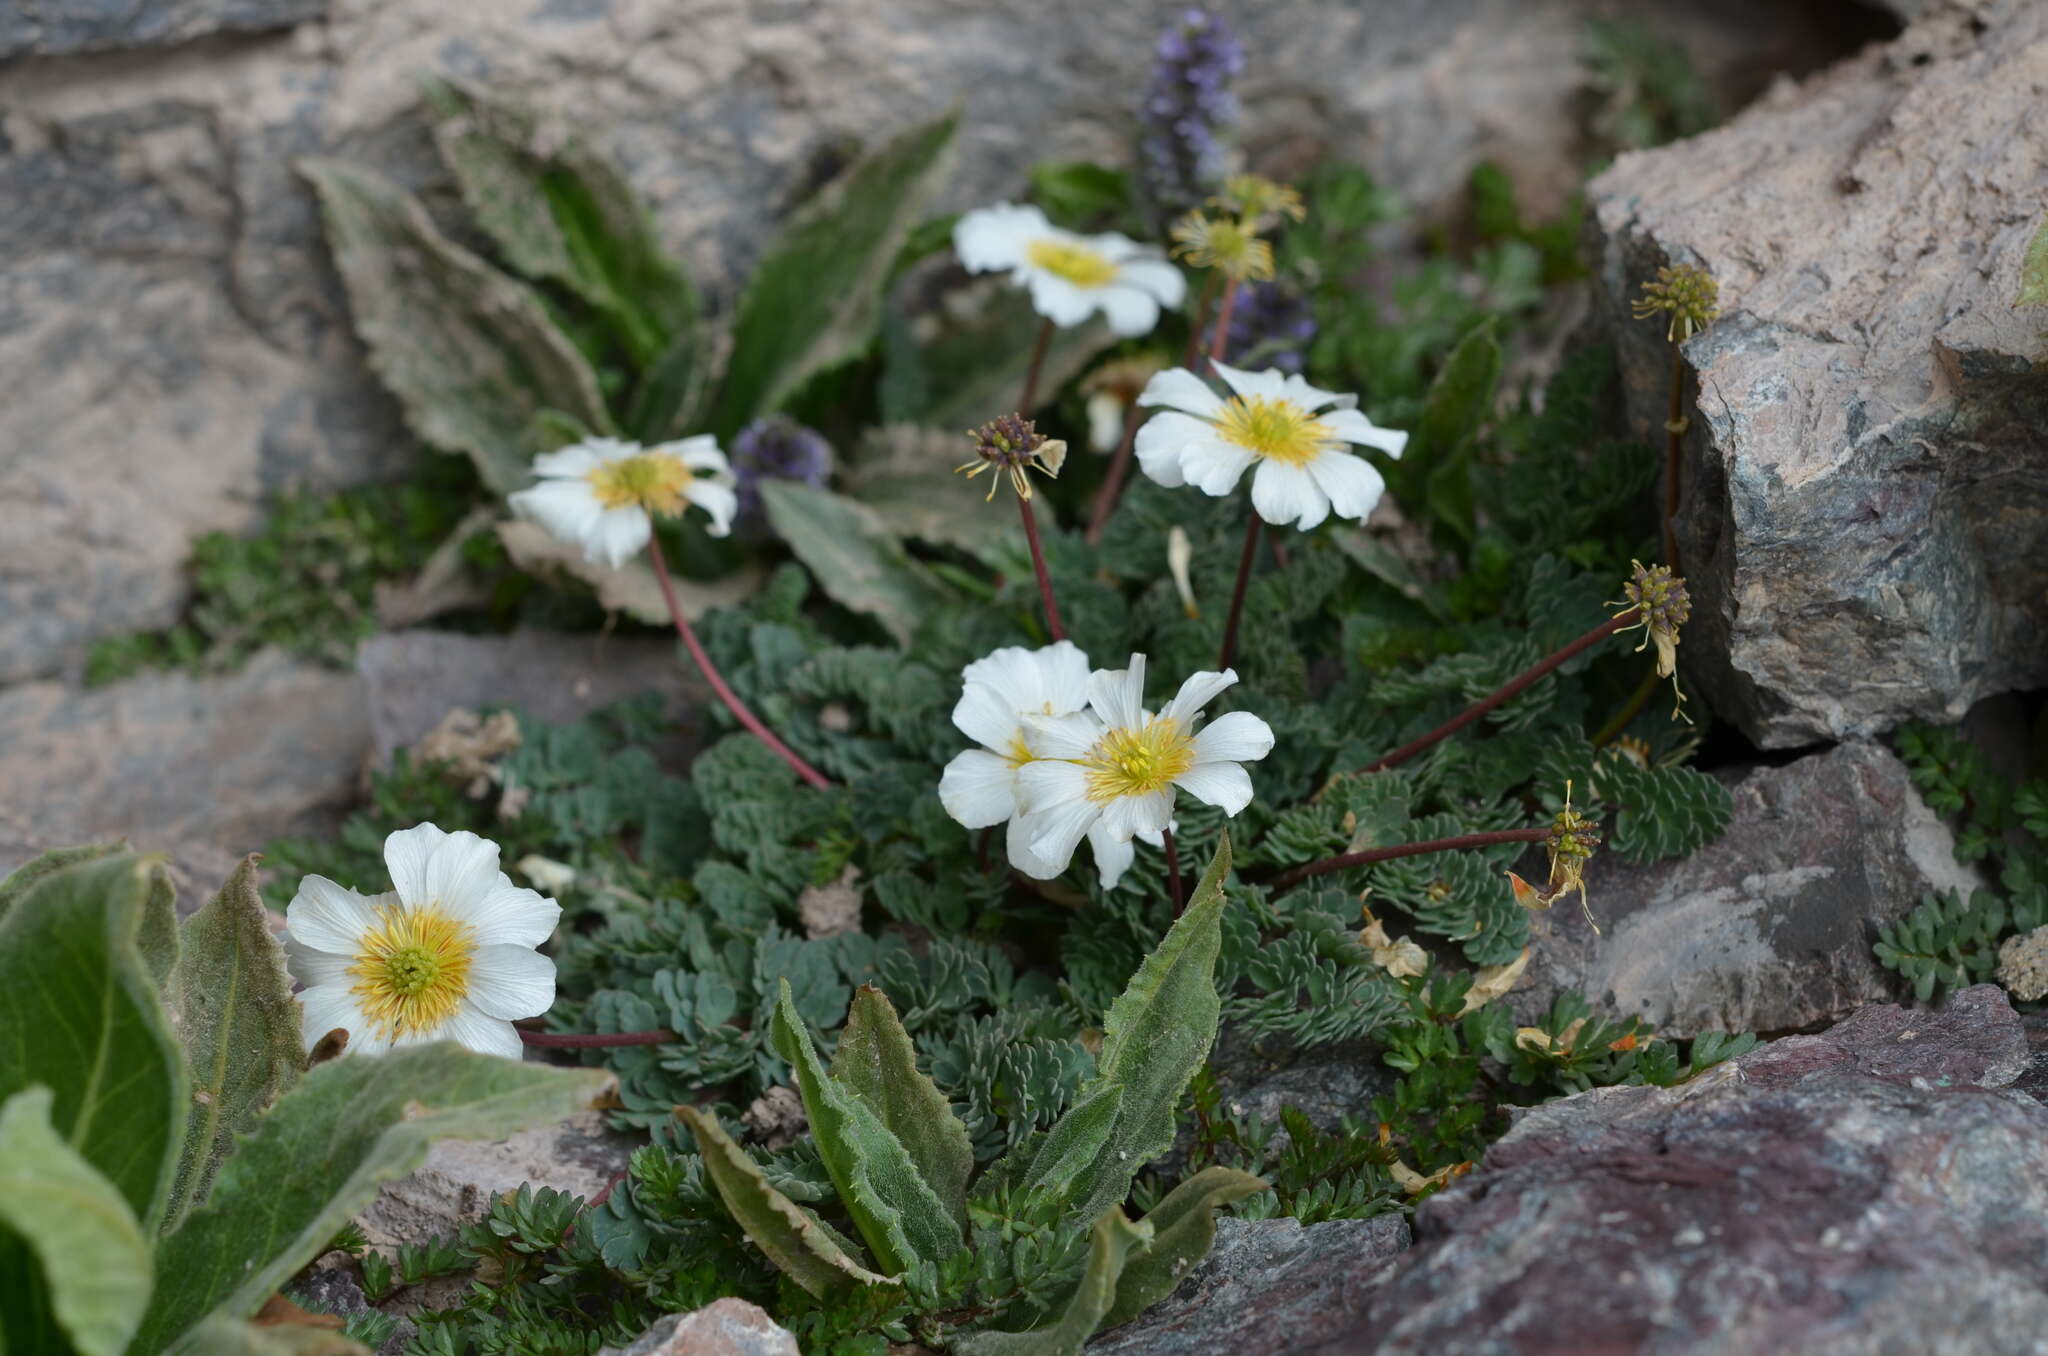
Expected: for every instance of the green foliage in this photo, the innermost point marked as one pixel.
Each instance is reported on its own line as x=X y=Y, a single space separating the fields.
x=1948 y=942
x=852 y=555
x=2034 y=271
x=1650 y=89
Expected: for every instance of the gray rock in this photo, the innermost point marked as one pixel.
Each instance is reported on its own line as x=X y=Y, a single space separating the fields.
x=334 y=1285
x=178 y=343
x=1267 y=1285
x=58 y=27
x=414 y=678
x=727 y=1327
x=1770 y=927
x=1865 y=521
x=1875 y=1189
x=204 y=769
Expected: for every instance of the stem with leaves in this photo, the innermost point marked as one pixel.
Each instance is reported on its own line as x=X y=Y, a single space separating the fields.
x=1461 y=843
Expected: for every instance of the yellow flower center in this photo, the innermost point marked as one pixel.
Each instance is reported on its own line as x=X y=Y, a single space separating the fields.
x=1275 y=427
x=1137 y=762
x=653 y=481
x=1020 y=753
x=1077 y=264
x=412 y=970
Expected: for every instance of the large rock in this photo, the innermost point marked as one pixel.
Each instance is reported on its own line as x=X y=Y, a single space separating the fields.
x=179 y=348
x=727 y=1327
x=1865 y=522
x=1769 y=928
x=1868 y=1190
x=205 y=769
x=56 y=27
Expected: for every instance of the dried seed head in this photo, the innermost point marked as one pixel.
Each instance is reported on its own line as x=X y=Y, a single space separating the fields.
x=1010 y=446
x=1661 y=604
x=1571 y=845
x=1688 y=294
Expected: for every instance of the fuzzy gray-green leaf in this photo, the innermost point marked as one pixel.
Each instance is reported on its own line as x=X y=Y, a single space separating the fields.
x=1183 y=1230
x=816 y=299
x=877 y=1061
x=80 y=1015
x=1109 y=1248
x=787 y=1233
x=1072 y=1150
x=470 y=352
x=318 y=1156
x=1154 y=1037
x=18 y=881
x=853 y=556
x=70 y=1230
x=231 y=1005
x=897 y=1212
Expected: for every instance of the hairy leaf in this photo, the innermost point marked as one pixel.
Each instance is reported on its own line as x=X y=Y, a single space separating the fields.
x=788 y=1234
x=1109 y=1247
x=470 y=352
x=877 y=1061
x=231 y=1005
x=80 y=1016
x=895 y=1209
x=855 y=559
x=62 y=1219
x=19 y=880
x=318 y=1156
x=1073 y=1148
x=1183 y=1229
x=815 y=300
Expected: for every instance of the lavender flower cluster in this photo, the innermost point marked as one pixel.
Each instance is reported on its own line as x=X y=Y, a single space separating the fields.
x=1271 y=325
x=776 y=448
x=1186 y=112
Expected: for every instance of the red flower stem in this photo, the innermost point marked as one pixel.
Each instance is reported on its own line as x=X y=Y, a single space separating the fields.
x=725 y=694
x=1201 y=319
x=1180 y=903
x=1223 y=321
x=1371 y=855
x=1674 y=455
x=1113 y=483
x=583 y=1040
x=1244 y=576
x=1052 y=610
x=1511 y=688
x=1028 y=403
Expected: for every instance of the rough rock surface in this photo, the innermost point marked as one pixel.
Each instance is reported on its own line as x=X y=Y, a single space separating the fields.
x=1865 y=523
x=58 y=27
x=205 y=769
x=1770 y=927
x=1267 y=1285
x=1877 y=1188
x=727 y=1327
x=414 y=678
x=168 y=308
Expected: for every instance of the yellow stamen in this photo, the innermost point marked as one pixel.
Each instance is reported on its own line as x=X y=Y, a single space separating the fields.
x=1137 y=762
x=1077 y=264
x=1020 y=753
x=1274 y=427
x=653 y=481
x=412 y=971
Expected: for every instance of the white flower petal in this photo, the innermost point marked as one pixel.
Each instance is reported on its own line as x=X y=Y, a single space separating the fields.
x=457 y=872
x=1130 y=311
x=1284 y=494
x=1049 y=783
x=1118 y=695
x=513 y=915
x=1179 y=389
x=986 y=716
x=1063 y=671
x=1166 y=284
x=1309 y=397
x=1224 y=784
x=979 y=789
x=1054 y=833
x=327 y=1006
x=481 y=1032
x=1112 y=856
x=577 y=459
x=1017 y=845
x=1234 y=736
x=1354 y=427
x=1271 y=382
x=699 y=453
x=618 y=536
x=720 y=502
x=568 y=509
x=1052 y=738
x=329 y=917
x=1351 y=482
x=406 y=855
x=992 y=238
x=1162 y=443
x=1197 y=692
x=1125 y=817
x=510 y=981
x=1059 y=301
x=1214 y=466
x=312 y=967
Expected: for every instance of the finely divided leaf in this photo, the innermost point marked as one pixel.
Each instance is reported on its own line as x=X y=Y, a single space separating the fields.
x=790 y=1235
x=231 y=1005
x=895 y=1209
x=853 y=556
x=80 y=1016
x=876 y=1060
x=317 y=1158
x=1108 y=1249
x=1183 y=1229
x=72 y=1256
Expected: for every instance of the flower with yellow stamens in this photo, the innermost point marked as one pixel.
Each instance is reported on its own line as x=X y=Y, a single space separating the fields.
x=979 y=786
x=446 y=954
x=1010 y=446
x=1070 y=276
x=1225 y=244
x=603 y=494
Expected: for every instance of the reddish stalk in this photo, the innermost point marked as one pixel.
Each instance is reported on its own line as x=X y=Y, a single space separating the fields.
x=1371 y=855
x=1674 y=434
x=1173 y=886
x=1201 y=319
x=1113 y=483
x=1052 y=611
x=1506 y=691
x=1223 y=322
x=1244 y=576
x=718 y=684
x=1026 y=405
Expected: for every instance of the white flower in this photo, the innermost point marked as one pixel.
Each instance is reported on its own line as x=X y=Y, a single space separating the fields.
x=1109 y=775
x=1295 y=433
x=446 y=955
x=600 y=494
x=979 y=787
x=1070 y=276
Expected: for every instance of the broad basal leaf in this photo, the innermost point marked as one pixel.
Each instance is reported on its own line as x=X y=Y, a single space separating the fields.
x=317 y=1158
x=877 y=1061
x=72 y=1256
x=974 y=367
x=1438 y=464
x=815 y=299
x=788 y=1234
x=79 y=1015
x=27 y=874
x=231 y=1005
x=1109 y=1247
x=853 y=556
x=1072 y=1150
x=632 y=588
x=1183 y=1229
x=470 y=352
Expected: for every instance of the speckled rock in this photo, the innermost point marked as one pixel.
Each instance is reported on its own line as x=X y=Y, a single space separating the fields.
x=727 y=1327
x=1770 y=927
x=59 y=27
x=1878 y=1188
x=1865 y=515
